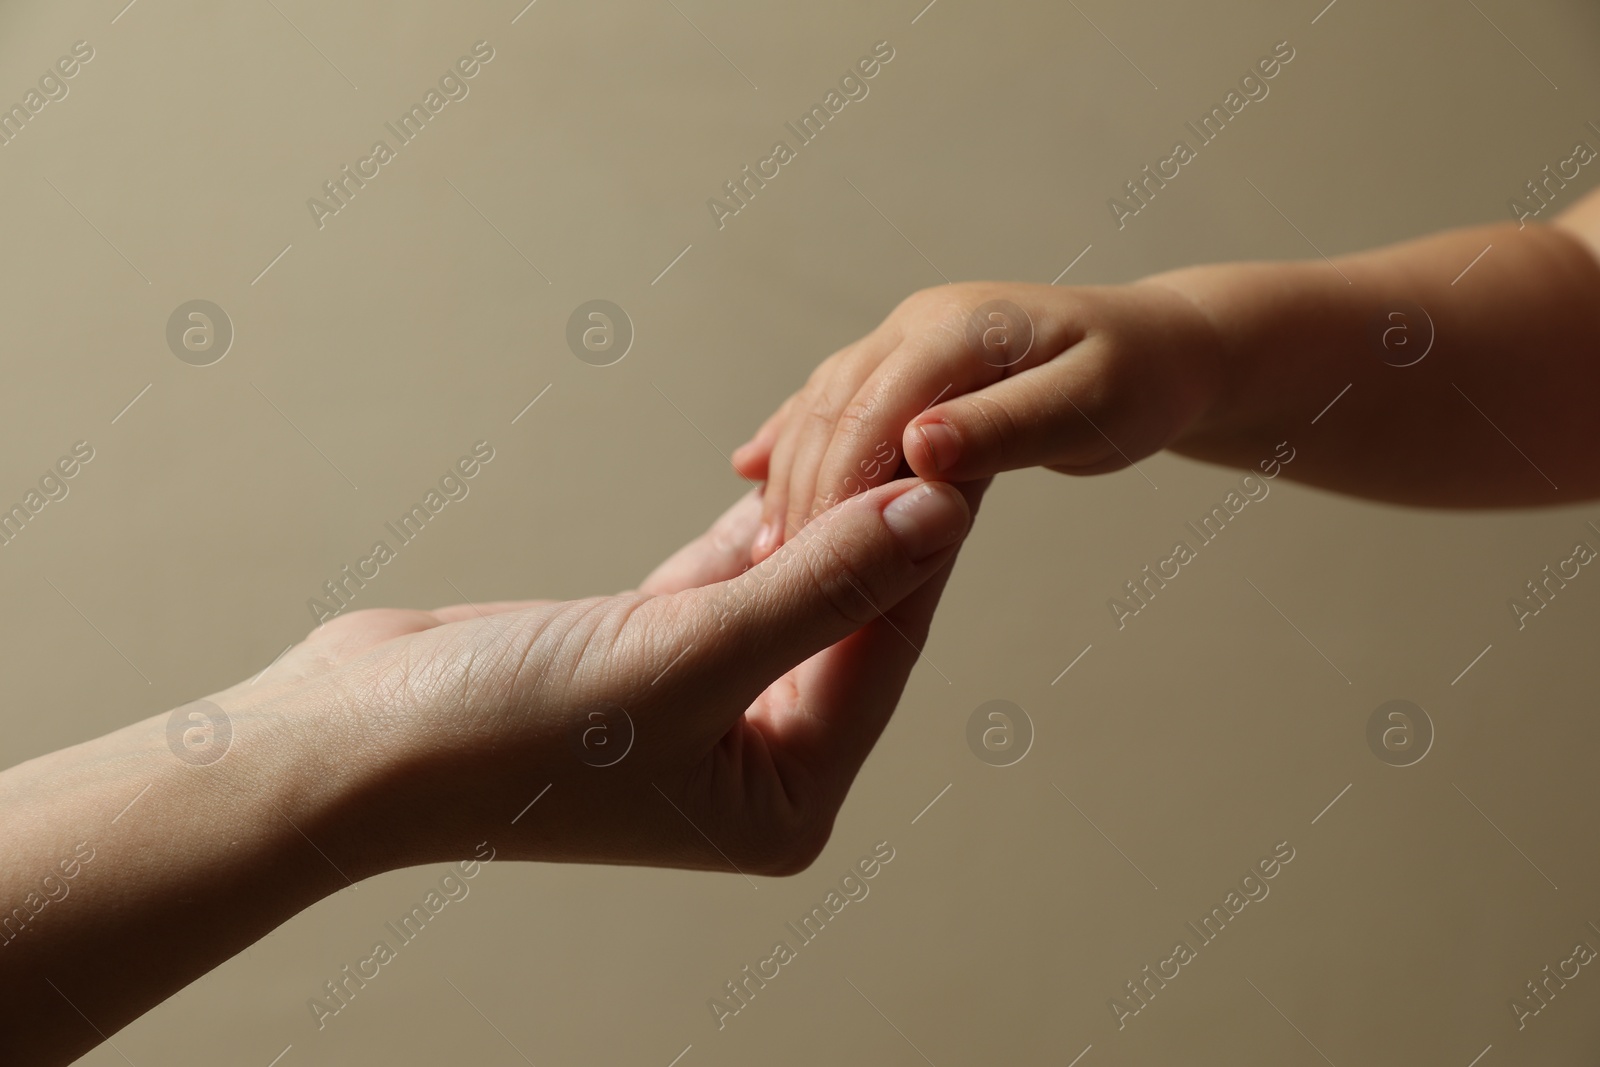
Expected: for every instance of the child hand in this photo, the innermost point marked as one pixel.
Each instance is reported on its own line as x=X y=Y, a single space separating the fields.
x=963 y=381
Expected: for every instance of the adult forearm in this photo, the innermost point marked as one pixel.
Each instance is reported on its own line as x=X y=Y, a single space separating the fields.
x=1464 y=389
x=133 y=863
x=392 y=737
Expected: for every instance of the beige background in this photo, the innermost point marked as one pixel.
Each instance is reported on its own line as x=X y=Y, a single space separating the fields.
x=1195 y=739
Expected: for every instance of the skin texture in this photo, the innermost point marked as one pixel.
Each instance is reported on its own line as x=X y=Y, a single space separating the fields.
x=1220 y=363
x=391 y=738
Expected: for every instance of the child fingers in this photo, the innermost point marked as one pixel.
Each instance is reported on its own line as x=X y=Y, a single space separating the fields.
x=865 y=448
x=752 y=459
x=791 y=474
x=1055 y=415
x=775 y=493
x=787 y=510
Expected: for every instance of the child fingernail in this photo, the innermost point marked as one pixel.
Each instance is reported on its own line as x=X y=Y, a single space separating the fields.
x=943 y=445
x=766 y=539
x=927 y=519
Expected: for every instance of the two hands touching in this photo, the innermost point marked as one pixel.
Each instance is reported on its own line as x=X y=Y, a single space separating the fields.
x=758 y=665
x=963 y=382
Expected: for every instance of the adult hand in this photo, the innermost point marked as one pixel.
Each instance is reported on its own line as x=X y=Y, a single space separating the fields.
x=713 y=718
x=735 y=705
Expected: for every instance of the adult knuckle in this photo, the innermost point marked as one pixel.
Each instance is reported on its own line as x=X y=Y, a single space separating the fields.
x=786 y=846
x=796 y=853
x=839 y=579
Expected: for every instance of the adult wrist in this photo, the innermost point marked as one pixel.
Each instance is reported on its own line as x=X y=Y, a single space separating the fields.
x=323 y=777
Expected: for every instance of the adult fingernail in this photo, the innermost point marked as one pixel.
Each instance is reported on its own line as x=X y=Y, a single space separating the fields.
x=943 y=445
x=926 y=519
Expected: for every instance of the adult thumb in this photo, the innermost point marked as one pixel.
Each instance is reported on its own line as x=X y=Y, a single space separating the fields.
x=844 y=569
